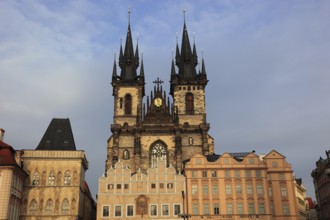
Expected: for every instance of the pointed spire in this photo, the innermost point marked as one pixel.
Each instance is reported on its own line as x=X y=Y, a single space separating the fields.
x=194 y=55
x=137 y=52
x=142 y=68
x=173 y=68
x=128 y=62
x=114 y=71
x=121 y=55
x=203 y=65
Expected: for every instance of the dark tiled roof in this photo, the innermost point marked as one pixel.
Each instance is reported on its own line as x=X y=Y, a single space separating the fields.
x=212 y=157
x=58 y=136
x=7 y=155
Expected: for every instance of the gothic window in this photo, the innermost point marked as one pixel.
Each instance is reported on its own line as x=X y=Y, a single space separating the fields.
x=191 y=141
x=158 y=153
x=65 y=208
x=128 y=104
x=126 y=155
x=49 y=206
x=189 y=103
x=51 y=178
x=33 y=207
x=36 y=178
x=67 y=178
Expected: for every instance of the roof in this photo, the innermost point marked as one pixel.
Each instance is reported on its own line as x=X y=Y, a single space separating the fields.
x=58 y=136
x=7 y=154
x=212 y=157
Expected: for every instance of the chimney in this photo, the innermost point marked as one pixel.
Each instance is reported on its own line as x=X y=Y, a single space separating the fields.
x=2 y=134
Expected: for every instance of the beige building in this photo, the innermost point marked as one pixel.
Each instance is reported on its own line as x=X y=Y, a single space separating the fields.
x=56 y=187
x=240 y=186
x=302 y=203
x=156 y=194
x=11 y=181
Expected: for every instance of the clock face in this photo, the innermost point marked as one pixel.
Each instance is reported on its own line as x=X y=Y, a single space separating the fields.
x=158 y=102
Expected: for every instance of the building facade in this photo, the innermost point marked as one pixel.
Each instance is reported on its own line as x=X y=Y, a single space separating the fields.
x=55 y=187
x=161 y=129
x=12 y=178
x=302 y=203
x=321 y=179
x=240 y=186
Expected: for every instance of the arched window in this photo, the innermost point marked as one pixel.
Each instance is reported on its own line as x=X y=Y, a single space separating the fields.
x=49 y=207
x=65 y=208
x=158 y=153
x=126 y=155
x=67 y=178
x=33 y=208
x=36 y=178
x=191 y=141
x=189 y=103
x=128 y=104
x=51 y=178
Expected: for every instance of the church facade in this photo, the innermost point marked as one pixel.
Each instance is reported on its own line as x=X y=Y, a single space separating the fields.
x=153 y=136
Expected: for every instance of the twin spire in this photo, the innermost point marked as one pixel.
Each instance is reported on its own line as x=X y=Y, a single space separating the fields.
x=186 y=60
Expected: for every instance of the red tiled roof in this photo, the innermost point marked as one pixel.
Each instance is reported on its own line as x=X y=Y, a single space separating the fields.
x=7 y=154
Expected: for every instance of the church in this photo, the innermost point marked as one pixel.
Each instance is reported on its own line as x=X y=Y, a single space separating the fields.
x=152 y=136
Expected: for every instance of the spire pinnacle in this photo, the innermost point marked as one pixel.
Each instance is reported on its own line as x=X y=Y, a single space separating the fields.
x=184 y=16
x=129 y=15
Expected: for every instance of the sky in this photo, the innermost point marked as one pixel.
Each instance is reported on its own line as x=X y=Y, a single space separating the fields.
x=267 y=62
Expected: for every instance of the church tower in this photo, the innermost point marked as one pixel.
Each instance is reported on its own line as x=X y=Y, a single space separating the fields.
x=188 y=92
x=161 y=128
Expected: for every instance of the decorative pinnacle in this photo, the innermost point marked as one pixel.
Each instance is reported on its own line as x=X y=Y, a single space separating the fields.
x=158 y=82
x=184 y=16
x=129 y=15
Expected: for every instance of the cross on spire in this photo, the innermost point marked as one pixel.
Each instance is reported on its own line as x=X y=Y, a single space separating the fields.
x=158 y=82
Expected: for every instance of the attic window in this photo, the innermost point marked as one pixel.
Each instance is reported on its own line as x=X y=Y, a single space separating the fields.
x=66 y=142
x=59 y=130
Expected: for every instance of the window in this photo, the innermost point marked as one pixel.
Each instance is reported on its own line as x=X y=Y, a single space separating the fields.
x=128 y=104
x=153 y=210
x=206 y=209
x=251 y=160
x=117 y=211
x=284 y=191
x=216 y=208
x=239 y=207
x=51 y=179
x=205 y=189
x=49 y=206
x=193 y=174
x=177 y=209
x=249 y=189
x=189 y=103
x=65 y=208
x=251 y=208
x=126 y=186
x=258 y=173
x=270 y=192
x=36 y=178
x=259 y=189
x=33 y=208
x=226 y=160
x=281 y=176
x=229 y=208
x=110 y=186
x=238 y=189
x=170 y=185
x=248 y=173
x=286 y=210
x=195 y=208
x=165 y=210
x=153 y=186
x=227 y=173
x=215 y=189
x=274 y=164
x=118 y=186
x=190 y=141
x=158 y=153
x=194 y=190
x=261 y=208
x=237 y=173
x=214 y=173
x=67 y=178
x=126 y=154
x=129 y=210
x=228 y=189
x=204 y=173
x=161 y=185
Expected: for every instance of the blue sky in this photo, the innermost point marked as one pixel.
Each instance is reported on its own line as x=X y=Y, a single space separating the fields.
x=267 y=62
